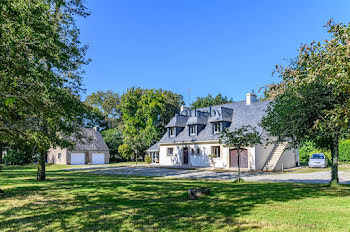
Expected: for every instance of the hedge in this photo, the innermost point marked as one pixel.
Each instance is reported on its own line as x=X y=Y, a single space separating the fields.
x=308 y=149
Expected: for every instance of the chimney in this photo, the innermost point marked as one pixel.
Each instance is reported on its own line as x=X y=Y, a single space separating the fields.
x=185 y=110
x=250 y=97
x=96 y=128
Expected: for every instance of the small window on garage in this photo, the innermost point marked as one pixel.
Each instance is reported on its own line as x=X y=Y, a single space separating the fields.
x=59 y=155
x=170 y=151
x=215 y=150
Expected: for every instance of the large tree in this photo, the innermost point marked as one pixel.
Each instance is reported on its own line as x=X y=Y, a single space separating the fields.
x=210 y=101
x=144 y=115
x=105 y=105
x=41 y=61
x=314 y=104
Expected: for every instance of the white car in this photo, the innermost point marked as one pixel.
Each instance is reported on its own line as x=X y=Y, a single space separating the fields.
x=318 y=160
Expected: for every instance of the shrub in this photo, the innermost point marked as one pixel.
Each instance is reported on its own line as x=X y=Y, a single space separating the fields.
x=308 y=149
x=344 y=151
x=148 y=159
x=18 y=157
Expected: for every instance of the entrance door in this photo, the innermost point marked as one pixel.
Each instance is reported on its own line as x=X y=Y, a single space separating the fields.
x=243 y=159
x=185 y=153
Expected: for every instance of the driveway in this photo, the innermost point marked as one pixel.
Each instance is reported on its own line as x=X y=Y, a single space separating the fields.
x=292 y=177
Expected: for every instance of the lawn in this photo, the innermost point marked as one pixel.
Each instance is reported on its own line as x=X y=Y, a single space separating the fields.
x=81 y=201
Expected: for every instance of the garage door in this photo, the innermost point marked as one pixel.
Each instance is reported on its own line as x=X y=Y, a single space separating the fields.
x=98 y=158
x=243 y=159
x=77 y=158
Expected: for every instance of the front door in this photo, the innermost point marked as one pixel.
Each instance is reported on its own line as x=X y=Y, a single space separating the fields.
x=243 y=158
x=185 y=154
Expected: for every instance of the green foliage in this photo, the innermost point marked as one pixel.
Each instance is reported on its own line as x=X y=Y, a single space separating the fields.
x=106 y=106
x=113 y=139
x=126 y=151
x=148 y=159
x=41 y=61
x=344 y=151
x=308 y=149
x=18 y=157
x=314 y=102
x=145 y=112
x=246 y=136
x=210 y=101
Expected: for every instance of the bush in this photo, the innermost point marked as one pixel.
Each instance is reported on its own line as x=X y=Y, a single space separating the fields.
x=148 y=159
x=18 y=157
x=344 y=151
x=308 y=149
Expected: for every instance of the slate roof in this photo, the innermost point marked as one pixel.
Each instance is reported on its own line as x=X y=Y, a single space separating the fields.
x=241 y=115
x=91 y=141
x=178 y=121
x=154 y=147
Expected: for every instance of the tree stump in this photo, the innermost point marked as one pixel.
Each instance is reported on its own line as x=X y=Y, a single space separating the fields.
x=193 y=194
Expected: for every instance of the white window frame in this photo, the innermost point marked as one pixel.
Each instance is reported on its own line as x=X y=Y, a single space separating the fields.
x=217 y=127
x=170 y=153
x=193 y=127
x=216 y=150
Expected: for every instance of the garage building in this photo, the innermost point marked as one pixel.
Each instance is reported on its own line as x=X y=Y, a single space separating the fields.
x=92 y=149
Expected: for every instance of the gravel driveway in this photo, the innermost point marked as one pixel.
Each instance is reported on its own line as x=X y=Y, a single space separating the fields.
x=315 y=177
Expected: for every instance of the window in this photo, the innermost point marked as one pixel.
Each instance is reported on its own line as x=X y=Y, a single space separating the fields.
x=59 y=155
x=172 y=132
x=215 y=150
x=192 y=130
x=170 y=151
x=198 y=151
x=217 y=127
x=192 y=151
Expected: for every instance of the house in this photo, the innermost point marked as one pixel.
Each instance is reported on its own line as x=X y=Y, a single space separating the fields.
x=92 y=149
x=192 y=139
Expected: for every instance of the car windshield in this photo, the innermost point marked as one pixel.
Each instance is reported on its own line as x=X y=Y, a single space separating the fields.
x=317 y=156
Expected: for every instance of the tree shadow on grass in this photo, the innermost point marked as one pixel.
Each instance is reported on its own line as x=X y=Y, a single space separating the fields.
x=86 y=202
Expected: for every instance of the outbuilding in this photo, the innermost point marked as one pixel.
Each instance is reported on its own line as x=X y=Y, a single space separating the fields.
x=92 y=149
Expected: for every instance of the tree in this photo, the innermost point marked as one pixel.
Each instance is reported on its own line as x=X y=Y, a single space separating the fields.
x=41 y=60
x=314 y=105
x=240 y=138
x=210 y=101
x=106 y=106
x=113 y=138
x=144 y=115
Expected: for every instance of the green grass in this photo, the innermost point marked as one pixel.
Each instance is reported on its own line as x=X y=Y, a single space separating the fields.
x=81 y=201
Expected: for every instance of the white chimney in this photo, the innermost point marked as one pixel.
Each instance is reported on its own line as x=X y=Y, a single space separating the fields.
x=96 y=128
x=250 y=97
x=184 y=108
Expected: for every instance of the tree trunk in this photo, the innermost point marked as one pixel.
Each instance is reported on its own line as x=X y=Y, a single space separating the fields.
x=41 y=167
x=239 y=167
x=335 y=157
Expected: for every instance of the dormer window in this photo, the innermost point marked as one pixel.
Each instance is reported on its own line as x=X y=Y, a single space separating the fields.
x=216 y=127
x=172 y=132
x=192 y=130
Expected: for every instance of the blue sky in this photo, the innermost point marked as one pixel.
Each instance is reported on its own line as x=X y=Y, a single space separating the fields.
x=210 y=46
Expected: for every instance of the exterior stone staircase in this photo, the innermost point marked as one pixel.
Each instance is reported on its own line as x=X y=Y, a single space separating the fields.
x=275 y=157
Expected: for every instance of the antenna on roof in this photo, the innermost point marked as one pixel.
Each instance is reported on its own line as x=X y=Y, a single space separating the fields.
x=189 y=97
